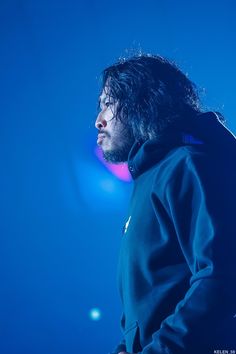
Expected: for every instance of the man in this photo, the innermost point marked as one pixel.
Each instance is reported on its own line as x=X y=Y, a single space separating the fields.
x=177 y=263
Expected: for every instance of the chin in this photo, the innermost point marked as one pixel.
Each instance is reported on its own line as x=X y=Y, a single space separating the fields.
x=115 y=156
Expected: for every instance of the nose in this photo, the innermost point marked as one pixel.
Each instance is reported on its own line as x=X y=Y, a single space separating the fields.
x=100 y=122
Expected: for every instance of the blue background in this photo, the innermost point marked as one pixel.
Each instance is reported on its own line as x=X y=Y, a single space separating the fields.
x=62 y=210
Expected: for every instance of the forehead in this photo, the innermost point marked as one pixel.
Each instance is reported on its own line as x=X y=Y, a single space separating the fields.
x=104 y=94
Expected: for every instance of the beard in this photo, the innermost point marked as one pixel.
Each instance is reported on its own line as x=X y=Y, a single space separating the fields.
x=121 y=145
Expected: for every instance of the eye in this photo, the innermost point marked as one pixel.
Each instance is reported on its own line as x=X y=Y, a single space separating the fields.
x=107 y=104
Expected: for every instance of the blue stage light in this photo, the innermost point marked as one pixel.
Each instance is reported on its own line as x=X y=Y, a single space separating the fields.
x=95 y=314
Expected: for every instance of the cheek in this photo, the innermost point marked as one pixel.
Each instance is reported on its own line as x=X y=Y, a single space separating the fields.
x=109 y=115
x=115 y=128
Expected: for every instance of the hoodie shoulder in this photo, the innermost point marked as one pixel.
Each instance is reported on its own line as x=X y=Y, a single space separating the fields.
x=187 y=166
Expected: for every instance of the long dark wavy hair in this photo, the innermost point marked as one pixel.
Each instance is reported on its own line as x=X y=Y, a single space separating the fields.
x=151 y=92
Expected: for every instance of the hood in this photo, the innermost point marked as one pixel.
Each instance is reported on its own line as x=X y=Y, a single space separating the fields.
x=204 y=128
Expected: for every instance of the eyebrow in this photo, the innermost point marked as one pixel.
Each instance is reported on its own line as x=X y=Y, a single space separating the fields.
x=101 y=100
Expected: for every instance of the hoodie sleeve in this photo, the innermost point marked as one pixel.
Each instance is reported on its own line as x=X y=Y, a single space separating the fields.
x=121 y=346
x=200 y=198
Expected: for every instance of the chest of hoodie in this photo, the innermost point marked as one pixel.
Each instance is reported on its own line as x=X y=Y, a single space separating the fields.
x=149 y=250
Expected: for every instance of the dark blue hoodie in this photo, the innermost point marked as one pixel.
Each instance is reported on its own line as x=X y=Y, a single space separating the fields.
x=177 y=262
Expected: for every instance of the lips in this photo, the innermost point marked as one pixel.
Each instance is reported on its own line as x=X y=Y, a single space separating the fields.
x=100 y=138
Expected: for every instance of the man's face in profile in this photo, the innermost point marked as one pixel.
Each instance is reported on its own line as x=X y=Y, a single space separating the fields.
x=114 y=137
